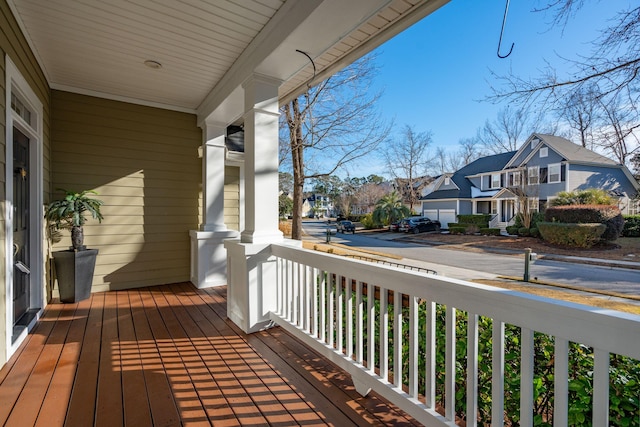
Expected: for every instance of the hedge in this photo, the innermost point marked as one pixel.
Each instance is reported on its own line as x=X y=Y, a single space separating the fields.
x=608 y=215
x=490 y=231
x=457 y=230
x=512 y=229
x=481 y=220
x=631 y=226
x=575 y=235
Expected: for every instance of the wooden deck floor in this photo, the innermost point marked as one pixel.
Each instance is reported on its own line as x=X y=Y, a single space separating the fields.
x=166 y=356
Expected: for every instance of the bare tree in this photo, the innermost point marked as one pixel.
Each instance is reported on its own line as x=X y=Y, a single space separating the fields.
x=507 y=131
x=468 y=150
x=367 y=195
x=613 y=65
x=526 y=190
x=331 y=125
x=579 y=111
x=408 y=160
x=616 y=133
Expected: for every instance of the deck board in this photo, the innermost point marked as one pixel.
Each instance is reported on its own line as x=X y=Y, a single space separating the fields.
x=168 y=356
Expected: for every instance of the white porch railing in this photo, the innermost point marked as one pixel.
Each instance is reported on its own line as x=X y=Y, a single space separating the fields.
x=336 y=305
x=495 y=221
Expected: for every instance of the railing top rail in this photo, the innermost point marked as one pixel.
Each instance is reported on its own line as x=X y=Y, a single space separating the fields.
x=608 y=330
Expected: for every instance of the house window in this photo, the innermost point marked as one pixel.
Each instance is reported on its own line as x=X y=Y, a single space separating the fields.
x=514 y=179
x=544 y=152
x=495 y=180
x=447 y=181
x=494 y=207
x=533 y=174
x=634 y=207
x=554 y=173
x=534 y=142
x=20 y=109
x=533 y=205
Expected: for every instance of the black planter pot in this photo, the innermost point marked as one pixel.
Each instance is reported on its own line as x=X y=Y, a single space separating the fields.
x=74 y=270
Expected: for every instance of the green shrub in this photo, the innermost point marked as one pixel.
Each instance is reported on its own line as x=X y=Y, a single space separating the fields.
x=534 y=232
x=574 y=235
x=590 y=196
x=368 y=222
x=513 y=230
x=481 y=220
x=457 y=230
x=490 y=231
x=608 y=215
x=624 y=372
x=536 y=217
x=631 y=226
x=523 y=231
x=452 y=224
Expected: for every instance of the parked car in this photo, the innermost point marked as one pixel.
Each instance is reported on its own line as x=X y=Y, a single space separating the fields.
x=417 y=225
x=346 y=227
x=394 y=226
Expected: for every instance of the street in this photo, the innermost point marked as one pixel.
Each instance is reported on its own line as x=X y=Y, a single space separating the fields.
x=472 y=265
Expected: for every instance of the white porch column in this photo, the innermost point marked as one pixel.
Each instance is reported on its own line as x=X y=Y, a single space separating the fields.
x=251 y=291
x=261 y=160
x=208 y=255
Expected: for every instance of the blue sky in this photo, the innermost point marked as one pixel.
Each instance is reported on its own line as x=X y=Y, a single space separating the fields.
x=435 y=73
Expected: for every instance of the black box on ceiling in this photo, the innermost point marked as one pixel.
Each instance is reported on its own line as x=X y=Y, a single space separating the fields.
x=235 y=138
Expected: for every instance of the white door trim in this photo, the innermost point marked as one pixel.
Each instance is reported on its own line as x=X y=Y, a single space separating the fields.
x=16 y=84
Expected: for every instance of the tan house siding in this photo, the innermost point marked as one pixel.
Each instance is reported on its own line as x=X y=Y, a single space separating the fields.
x=232 y=197
x=13 y=44
x=144 y=164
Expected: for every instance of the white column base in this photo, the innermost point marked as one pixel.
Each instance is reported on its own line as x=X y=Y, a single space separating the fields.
x=251 y=289
x=209 y=257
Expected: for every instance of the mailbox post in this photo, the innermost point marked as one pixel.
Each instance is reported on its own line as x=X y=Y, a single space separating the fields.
x=528 y=258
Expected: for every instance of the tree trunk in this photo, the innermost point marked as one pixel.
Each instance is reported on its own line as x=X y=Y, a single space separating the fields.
x=294 y=122
x=77 y=238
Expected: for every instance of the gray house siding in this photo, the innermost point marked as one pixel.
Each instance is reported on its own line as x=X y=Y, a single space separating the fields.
x=451 y=186
x=439 y=204
x=522 y=156
x=610 y=179
x=550 y=190
x=466 y=207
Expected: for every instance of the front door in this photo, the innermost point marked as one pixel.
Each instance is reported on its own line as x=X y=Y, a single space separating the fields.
x=507 y=210
x=20 y=225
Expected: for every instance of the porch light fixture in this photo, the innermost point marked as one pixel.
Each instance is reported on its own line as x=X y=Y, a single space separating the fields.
x=153 y=64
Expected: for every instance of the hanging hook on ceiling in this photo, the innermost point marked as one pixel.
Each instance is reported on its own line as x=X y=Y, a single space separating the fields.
x=504 y=21
x=312 y=63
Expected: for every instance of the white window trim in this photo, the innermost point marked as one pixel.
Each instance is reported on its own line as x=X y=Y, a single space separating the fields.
x=544 y=152
x=491 y=183
x=447 y=181
x=16 y=84
x=559 y=166
x=516 y=178
x=537 y=175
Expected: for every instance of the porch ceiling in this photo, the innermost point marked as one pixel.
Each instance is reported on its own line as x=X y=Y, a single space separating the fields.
x=207 y=48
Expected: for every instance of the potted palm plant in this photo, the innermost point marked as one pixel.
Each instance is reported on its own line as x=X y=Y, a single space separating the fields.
x=74 y=267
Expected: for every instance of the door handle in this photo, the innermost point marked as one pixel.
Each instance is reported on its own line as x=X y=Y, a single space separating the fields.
x=23 y=268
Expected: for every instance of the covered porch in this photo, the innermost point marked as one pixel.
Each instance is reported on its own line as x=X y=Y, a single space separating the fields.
x=167 y=355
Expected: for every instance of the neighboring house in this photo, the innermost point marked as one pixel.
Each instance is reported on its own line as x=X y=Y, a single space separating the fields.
x=542 y=167
x=404 y=187
x=317 y=205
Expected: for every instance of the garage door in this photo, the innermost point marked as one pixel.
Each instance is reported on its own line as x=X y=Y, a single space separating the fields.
x=445 y=216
